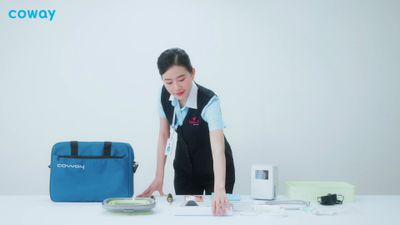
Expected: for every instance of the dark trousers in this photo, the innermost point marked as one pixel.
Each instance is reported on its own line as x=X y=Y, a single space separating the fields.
x=192 y=185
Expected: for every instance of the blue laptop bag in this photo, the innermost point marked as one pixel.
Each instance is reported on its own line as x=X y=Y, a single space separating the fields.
x=91 y=171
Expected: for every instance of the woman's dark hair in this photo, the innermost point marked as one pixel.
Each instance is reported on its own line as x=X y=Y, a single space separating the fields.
x=173 y=56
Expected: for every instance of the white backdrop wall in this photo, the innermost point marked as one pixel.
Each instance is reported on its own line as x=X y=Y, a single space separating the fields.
x=310 y=86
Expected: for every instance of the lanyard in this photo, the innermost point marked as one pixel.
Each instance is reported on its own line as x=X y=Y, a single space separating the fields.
x=173 y=122
x=169 y=147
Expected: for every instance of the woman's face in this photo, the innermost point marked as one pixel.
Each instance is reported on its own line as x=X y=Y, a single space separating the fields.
x=178 y=81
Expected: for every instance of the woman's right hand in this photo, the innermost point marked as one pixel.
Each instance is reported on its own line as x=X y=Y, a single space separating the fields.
x=156 y=185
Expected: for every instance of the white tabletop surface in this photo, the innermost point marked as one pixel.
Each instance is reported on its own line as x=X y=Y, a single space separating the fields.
x=30 y=209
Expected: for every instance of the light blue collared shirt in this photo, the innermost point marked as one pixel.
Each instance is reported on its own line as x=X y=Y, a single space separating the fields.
x=211 y=112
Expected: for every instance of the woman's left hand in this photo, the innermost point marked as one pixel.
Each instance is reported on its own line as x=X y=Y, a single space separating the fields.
x=220 y=204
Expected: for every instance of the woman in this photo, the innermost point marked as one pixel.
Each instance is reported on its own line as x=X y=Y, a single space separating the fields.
x=203 y=158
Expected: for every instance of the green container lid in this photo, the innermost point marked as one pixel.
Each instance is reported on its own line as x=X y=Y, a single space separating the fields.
x=311 y=190
x=129 y=204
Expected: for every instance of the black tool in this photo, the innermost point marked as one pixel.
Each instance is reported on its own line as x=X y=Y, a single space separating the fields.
x=330 y=199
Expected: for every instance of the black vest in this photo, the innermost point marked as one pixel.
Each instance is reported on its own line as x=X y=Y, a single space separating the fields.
x=193 y=156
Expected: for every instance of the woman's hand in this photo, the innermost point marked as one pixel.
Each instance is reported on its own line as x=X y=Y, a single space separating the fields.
x=156 y=185
x=220 y=204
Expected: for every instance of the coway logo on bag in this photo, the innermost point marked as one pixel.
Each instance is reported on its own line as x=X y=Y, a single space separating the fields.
x=71 y=166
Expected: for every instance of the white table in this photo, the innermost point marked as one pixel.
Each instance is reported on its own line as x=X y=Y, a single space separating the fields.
x=19 y=209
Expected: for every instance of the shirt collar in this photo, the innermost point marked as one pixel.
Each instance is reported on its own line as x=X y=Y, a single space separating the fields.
x=191 y=102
